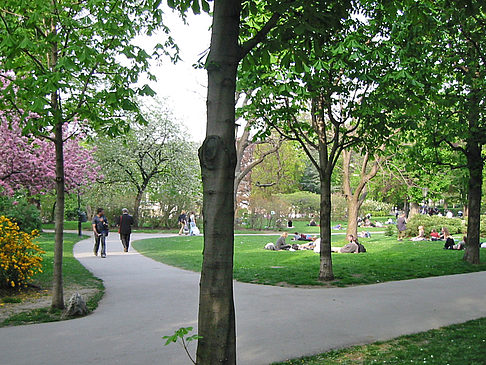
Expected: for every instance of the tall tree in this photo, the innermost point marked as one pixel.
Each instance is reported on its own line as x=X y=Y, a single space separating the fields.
x=143 y=154
x=246 y=159
x=71 y=60
x=445 y=48
x=28 y=163
x=355 y=197
x=325 y=95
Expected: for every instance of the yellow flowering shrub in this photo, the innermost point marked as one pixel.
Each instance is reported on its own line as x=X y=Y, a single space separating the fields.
x=20 y=258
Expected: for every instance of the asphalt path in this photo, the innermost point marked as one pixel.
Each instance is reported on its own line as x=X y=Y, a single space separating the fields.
x=146 y=300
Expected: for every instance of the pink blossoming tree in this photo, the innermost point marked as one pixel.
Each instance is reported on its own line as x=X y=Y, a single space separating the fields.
x=28 y=162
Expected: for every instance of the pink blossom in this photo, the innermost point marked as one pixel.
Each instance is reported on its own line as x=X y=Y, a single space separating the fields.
x=28 y=162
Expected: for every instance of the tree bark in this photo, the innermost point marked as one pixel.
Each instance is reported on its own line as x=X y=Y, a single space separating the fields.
x=136 y=207
x=57 y=287
x=475 y=183
x=325 y=171
x=414 y=209
x=325 y=270
x=355 y=199
x=217 y=155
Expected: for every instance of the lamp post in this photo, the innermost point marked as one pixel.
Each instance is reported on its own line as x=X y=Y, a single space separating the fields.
x=80 y=233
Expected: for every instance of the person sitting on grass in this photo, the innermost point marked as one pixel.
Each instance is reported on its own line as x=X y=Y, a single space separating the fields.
x=281 y=244
x=350 y=247
x=434 y=235
x=449 y=240
x=444 y=233
x=421 y=234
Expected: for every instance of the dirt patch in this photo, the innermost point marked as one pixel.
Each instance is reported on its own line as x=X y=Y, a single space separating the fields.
x=38 y=298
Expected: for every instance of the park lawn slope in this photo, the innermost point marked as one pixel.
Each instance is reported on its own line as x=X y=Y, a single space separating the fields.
x=458 y=344
x=385 y=260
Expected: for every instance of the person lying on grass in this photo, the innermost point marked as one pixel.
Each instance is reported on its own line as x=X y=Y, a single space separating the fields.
x=350 y=247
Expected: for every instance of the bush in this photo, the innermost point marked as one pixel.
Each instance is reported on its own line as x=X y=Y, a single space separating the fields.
x=20 y=258
x=455 y=225
x=376 y=208
x=390 y=230
x=26 y=215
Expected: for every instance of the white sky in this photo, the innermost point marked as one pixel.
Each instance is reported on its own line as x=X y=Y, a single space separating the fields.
x=183 y=85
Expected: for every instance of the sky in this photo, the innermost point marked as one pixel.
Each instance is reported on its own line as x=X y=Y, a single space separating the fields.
x=182 y=84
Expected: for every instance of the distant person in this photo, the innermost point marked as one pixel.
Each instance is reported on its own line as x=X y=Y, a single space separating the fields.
x=281 y=244
x=449 y=214
x=125 y=222
x=192 y=224
x=182 y=222
x=338 y=226
x=290 y=224
x=100 y=230
x=312 y=223
x=401 y=226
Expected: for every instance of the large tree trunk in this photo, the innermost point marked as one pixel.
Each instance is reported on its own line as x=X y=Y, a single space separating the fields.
x=57 y=286
x=471 y=253
x=325 y=269
x=353 y=212
x=355 y=199
x=475 y=167
x=414 y=209
x=217 y=155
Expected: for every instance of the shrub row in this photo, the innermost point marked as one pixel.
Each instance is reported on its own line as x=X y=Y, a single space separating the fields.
x=455 y=225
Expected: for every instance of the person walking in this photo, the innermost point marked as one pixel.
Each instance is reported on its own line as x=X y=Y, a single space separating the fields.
x=125 y=222
x=401 y=226
x=100 y=230
x=192 y=224
x=182 y=221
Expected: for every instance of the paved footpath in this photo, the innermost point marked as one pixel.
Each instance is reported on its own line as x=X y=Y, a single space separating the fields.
x=145 y=300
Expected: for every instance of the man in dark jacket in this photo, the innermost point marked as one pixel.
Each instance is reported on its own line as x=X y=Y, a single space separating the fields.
x=100 y=230
x=125 y=222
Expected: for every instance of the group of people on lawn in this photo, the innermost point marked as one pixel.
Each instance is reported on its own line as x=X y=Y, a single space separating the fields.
x=313 y=243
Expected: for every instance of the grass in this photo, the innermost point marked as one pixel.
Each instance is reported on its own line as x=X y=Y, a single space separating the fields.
x=454 y=345
x=75 y=276
x=69 y=226
x=385 y=260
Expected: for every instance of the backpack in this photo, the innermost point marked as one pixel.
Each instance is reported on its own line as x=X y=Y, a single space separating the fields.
x=361 y=248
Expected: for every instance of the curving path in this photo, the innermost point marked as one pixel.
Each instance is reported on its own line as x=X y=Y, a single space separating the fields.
x=145 y=300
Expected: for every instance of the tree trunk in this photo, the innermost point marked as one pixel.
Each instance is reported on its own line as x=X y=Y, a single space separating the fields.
x=414 y=210
x=355 y=199
x=325 y=270
x=57 y=286
x=136 y=207
x=475 y=166
x=217 y=155
x=353 y=211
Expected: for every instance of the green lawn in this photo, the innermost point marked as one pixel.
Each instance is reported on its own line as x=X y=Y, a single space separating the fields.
x=462 y=344
x=75 y=275
x=386 y=260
